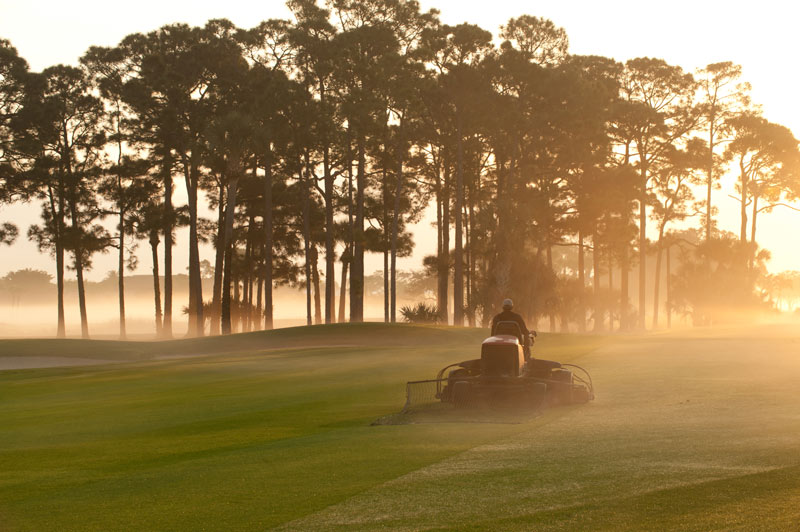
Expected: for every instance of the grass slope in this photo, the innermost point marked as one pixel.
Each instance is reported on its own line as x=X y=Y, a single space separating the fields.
x=272 y=430
x=339 y=335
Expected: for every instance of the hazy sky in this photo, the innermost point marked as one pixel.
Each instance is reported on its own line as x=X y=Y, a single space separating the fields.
x=761 y=36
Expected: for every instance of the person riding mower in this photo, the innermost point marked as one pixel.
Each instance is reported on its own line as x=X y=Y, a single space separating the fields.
x=506 y=375
x=508 y=315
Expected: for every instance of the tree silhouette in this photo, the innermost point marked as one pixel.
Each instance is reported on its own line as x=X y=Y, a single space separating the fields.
x=13 y=77
x=330 y=133
x=767 y=158
x=664 y=94
x=721 y=97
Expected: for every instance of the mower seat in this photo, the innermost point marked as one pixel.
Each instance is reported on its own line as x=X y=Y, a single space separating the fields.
x=510 y=328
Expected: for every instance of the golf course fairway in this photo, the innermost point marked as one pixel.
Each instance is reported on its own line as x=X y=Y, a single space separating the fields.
x=694 y=430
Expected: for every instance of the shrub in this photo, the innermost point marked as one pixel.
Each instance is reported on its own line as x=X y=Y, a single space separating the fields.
x=420 y=313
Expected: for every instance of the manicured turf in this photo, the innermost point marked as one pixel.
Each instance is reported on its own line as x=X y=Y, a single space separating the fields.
x=697 y=432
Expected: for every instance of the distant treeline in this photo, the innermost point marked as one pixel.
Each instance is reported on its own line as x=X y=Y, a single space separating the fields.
x=323 y=137
x=27 y=289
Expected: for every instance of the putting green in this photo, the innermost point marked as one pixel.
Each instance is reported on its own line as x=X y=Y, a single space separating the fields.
x=694 y=432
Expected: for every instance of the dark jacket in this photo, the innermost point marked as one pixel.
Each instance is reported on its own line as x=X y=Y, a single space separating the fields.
x=508 y=315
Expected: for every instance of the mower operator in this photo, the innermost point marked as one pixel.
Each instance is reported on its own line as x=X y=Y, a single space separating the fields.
x=508 y=315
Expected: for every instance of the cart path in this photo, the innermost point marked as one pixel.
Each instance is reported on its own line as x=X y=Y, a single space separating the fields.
x=31 y=362
x=698 y=419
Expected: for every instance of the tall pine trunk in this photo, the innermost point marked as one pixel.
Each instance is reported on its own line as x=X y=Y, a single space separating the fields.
x=81 y=294
x=751 y=256
x=57 y=208
x=582 y=283
x=710 y=172
x=195 y=283
x=316 y=281
x=610 y=291
x=438 y=196
x=642 y=249
x=386 y=288
x=306 y=191
x=78 y=264
x=501 y=263
x=386 y=241
x=549 y=251
x=656 y=289
x=268 y=255
x=669 y=290
x=471 y=262
x=743 y=205
x=259 y=304
x=357 y=269
x=230 y=211
x=236 y=304
x=330 y=252
x=346 y=257
x=466 y=255
x=61 y=330
x=121 y=266
x=247 y=315
x=121 y=275
x=599 y=317
x=624 y=272
x=458 y=271
x=332 y=281
x=166 y=330
x=444 y=255
x=156 y=283
x=395 y=230
x=219 y=261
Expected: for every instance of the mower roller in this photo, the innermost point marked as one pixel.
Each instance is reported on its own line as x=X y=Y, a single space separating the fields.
x=505 y=377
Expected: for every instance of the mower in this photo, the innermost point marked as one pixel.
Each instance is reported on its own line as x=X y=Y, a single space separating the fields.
x=505 y=376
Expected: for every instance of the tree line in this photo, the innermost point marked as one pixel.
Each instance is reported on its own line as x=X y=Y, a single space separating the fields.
x=322 y=138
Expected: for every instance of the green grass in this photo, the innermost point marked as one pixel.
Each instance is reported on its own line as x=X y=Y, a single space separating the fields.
x=273 y=429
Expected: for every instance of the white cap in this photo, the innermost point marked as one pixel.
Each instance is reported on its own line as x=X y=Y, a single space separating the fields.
x=508 y=304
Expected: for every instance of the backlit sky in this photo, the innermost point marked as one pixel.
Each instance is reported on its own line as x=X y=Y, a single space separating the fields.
x=761 y=36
